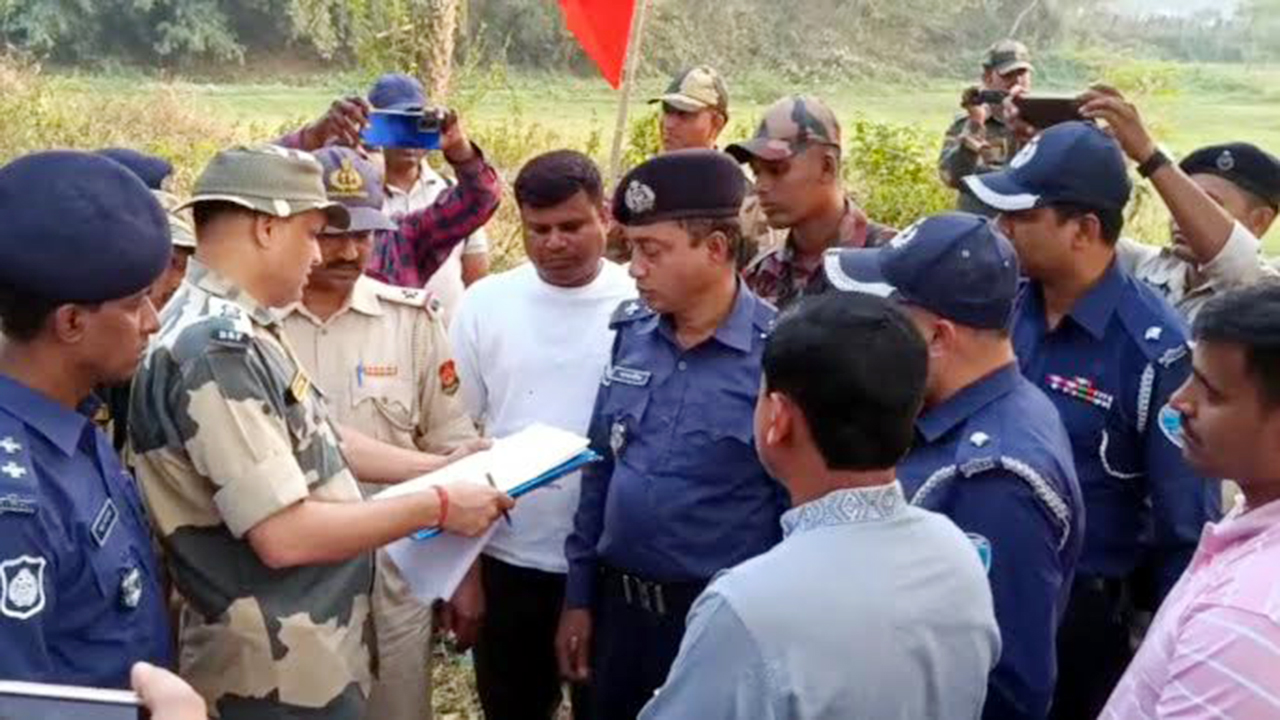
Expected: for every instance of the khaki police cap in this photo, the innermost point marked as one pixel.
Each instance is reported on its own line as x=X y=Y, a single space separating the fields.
x=697 y=88
x=269 y=179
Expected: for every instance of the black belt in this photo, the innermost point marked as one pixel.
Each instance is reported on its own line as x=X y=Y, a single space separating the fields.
x=659 y=598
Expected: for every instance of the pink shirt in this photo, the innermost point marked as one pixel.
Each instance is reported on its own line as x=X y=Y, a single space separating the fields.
x=1214 y=648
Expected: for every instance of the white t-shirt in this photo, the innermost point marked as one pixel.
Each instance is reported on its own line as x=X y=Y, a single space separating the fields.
x=445 y=288
x=531 y=352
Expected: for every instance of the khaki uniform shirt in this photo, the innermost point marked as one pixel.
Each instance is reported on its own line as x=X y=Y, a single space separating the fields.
x=1236 y=265
x=229 y=430
x=384 y=364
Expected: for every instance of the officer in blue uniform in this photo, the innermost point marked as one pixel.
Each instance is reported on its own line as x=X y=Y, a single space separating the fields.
x=80 y=597
x=990 y=451
x=1109 y=352
x=681 y=494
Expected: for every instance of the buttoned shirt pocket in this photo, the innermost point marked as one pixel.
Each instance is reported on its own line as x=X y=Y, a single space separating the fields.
x=716 y=431
x=394 y=400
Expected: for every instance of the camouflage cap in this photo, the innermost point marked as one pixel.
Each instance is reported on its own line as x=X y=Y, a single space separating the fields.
x=696 y=88
x=788 y=127
x=180 y=228
x=269 y=179
x=1007 y=56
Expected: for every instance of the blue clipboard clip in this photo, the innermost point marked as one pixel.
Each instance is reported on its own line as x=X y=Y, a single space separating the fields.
x=586 y=457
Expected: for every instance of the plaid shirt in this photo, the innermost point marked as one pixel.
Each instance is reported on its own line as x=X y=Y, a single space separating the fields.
x=411 y=254
x=780 y=275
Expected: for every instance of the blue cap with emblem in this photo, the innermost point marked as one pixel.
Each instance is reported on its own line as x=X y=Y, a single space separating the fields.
x=1074 y=163
x=680 y=185
x=397 y=91
x=356 y=183
x=79 y=228
x=956 y=265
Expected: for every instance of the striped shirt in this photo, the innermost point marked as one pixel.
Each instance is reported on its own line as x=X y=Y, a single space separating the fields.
x=1214 y=648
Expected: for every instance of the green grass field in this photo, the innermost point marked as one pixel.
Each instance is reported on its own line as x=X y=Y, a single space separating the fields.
x=522 y=113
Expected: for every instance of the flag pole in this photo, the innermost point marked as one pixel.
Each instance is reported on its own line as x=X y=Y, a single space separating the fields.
x=638 y=13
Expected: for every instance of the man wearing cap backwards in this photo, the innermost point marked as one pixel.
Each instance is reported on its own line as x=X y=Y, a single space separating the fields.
x=673 y=422
x=80 y=594
x=869 y=608
x=990 y=450
x=258 y=512
x=451 y=251
x=1109 y=352
x=1222 y=199
x=982 y=139
x=383 y=359
x=795 y=156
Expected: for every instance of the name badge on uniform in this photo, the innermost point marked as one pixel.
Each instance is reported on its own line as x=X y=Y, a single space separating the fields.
x=629 y=376
x=105 y=522
x=1081 y=389
x=131 y=589
x=299 y=386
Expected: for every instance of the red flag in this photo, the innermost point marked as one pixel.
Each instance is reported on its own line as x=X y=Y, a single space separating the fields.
x=602 y=28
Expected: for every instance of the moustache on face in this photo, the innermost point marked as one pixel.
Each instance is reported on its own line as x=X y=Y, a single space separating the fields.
x=341 y=265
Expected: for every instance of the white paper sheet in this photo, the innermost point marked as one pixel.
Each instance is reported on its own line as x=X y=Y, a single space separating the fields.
x=435 y=567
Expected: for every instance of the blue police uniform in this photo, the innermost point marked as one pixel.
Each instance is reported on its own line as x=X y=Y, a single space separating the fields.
x=996 y=460
x=680 y=495
x=82 y=598
x=1109 y=366
x=80 y=591
x=993 y=456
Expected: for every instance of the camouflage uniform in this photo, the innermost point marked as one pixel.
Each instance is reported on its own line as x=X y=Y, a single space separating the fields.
x=384 y=361
x=228 y=431
x=779 y=274
x=972 y=150
x=702 y=88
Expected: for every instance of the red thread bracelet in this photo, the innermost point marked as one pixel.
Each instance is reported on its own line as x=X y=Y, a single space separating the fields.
x=444 y=504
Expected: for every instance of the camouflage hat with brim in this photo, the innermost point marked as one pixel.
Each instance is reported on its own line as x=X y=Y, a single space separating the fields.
x=269 y=179
x=788 y=127
x=1007 y=56
x=180 y=228
x=694 y=89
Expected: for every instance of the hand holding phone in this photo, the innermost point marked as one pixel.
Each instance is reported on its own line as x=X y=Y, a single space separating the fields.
x=405 y=129
x=28 y=701
x=1045 y=112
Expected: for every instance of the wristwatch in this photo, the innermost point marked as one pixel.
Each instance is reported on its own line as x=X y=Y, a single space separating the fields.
x=1157 y=160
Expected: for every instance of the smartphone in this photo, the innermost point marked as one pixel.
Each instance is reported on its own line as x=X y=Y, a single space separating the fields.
x=399 y=129
x=1045 y=112
x=38 y=701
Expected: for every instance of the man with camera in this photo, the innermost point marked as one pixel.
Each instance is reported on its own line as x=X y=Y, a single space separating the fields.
x=439 y=222
x=982 y=140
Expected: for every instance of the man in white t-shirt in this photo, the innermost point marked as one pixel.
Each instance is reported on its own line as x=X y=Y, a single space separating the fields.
x=531 y=345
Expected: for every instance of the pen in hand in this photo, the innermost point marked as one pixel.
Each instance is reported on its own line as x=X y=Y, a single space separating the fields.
x=505 y=514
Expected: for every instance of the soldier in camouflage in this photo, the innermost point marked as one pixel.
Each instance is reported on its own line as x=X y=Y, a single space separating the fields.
x=267 y=540
x=795 y=155
x=980 y=140
x=695 y=110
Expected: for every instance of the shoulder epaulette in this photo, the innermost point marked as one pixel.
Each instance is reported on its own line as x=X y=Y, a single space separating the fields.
x=18 y=485
x=630 y=311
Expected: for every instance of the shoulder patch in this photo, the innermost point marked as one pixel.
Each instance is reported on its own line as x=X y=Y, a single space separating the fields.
x=232 y=313
x=22 y=594
x=630 y=311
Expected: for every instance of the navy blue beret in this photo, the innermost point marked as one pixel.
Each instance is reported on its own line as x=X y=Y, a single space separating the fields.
x=685 y=184
x=1247 y=166
x=77 y=227
x=151 y=170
